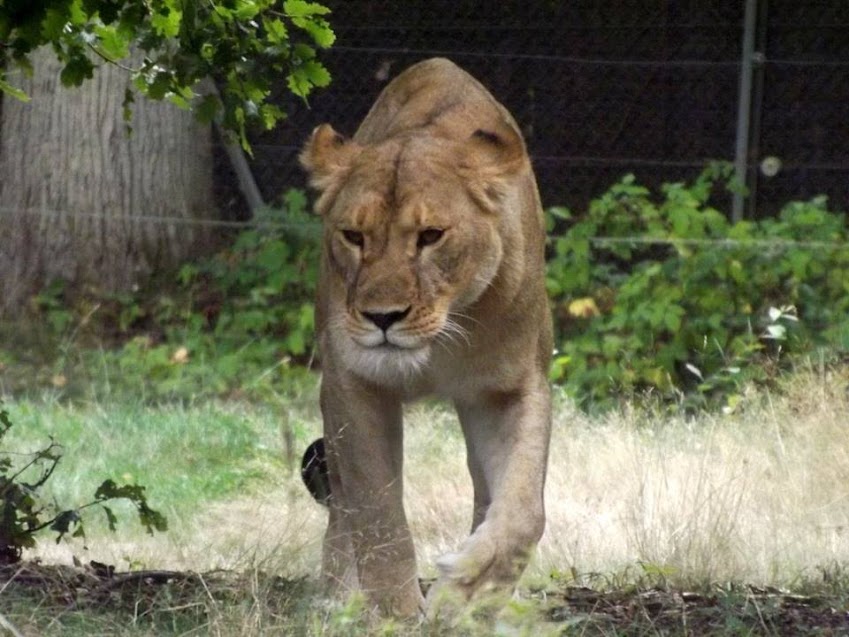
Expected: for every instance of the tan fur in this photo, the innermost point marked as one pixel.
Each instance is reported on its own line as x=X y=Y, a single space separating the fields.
x=465 y=317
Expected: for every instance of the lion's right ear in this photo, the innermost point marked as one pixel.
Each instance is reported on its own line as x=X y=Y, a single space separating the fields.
x=492 y=158
x=327 y=157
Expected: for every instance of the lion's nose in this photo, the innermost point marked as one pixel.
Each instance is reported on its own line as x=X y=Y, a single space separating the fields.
x=384 y=320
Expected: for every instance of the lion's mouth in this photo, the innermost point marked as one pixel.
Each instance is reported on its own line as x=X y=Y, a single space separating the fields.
x=388 y=346
x=390 y=342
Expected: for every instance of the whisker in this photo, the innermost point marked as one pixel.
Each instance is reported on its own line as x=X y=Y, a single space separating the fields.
x=453 y=332
x=441 y=342
x=461 y=315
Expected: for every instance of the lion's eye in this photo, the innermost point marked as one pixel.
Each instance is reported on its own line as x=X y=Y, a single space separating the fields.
x=354 y=237
x=429 y=237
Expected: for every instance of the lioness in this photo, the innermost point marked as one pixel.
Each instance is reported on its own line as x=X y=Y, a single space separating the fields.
x=431 y=284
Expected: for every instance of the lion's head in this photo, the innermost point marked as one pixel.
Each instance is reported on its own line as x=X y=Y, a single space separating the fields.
x=413 y=234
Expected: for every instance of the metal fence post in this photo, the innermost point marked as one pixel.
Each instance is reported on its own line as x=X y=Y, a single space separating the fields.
x=744 y=108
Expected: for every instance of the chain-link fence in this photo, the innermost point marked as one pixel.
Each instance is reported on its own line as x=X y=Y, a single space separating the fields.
x=605 y=88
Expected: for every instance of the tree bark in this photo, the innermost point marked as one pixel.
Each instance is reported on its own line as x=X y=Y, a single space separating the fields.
x=82 y=201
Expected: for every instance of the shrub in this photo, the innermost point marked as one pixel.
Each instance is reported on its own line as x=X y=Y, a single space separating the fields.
x=652 y=293
x=26 y=510
x=664 y=295
x=263 y=286
x=238 y=320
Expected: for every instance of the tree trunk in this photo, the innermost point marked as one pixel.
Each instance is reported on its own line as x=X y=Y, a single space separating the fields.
x=82 y=201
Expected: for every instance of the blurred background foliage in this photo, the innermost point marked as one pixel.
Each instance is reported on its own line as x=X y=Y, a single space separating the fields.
x=655 y=295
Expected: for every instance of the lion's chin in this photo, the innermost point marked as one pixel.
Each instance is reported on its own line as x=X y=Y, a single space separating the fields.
x=387 y=364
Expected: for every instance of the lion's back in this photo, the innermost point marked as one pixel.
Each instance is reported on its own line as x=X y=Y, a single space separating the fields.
x=434 y=94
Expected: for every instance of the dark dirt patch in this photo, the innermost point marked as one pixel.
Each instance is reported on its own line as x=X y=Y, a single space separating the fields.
x=736 y=610
x=182 y=600
x=165 y=602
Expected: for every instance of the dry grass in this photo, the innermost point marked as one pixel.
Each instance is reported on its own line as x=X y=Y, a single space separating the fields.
x=760 y=496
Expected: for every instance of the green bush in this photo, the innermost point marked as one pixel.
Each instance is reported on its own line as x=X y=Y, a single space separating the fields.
x=263 y=286
x=664 y=295
x=652 y=293
x=238 y=321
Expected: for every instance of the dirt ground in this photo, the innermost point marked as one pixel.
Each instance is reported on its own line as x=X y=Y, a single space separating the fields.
x=569 y=610
x=732 y=610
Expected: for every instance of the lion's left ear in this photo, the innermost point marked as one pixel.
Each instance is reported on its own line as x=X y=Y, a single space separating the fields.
x=493 y=157
x=327 y=157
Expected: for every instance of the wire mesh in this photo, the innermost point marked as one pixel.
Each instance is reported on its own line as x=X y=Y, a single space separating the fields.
x=602 y=89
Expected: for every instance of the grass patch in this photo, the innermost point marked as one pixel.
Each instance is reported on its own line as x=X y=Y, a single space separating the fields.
x=185 y=455
x=206 y=466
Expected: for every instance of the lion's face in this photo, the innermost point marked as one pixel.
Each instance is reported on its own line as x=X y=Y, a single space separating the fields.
x=413 y=247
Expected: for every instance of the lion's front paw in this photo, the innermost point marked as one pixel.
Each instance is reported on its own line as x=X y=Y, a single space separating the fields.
x=449 y=601
x=465 y=567
x=472 y=573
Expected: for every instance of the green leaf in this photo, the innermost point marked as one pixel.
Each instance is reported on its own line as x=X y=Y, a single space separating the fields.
x=295 y=343
x=111 y=519
x=127 y=105
x=54 y=23
x=270 y=114
x=305 y=16
x=295 y=200
x=276 y=31
x=273 y=255
x=5 y=425
x=207 y=51
x=62 y=523
x=672 y=319
x=180 y=102
x=298 y=83
x=246 y=10
x=208 y=108
x=306 y=318
x=78 y=15
x=112 y=44
x=320 y=31
x=223 y=12
x=12 y=91
x=158 y=87
x=109 y=490
x=78 y=69
x=560 y=212
x=309 y=74
x=300 y=8
x=167 y=23
x=152 y=520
